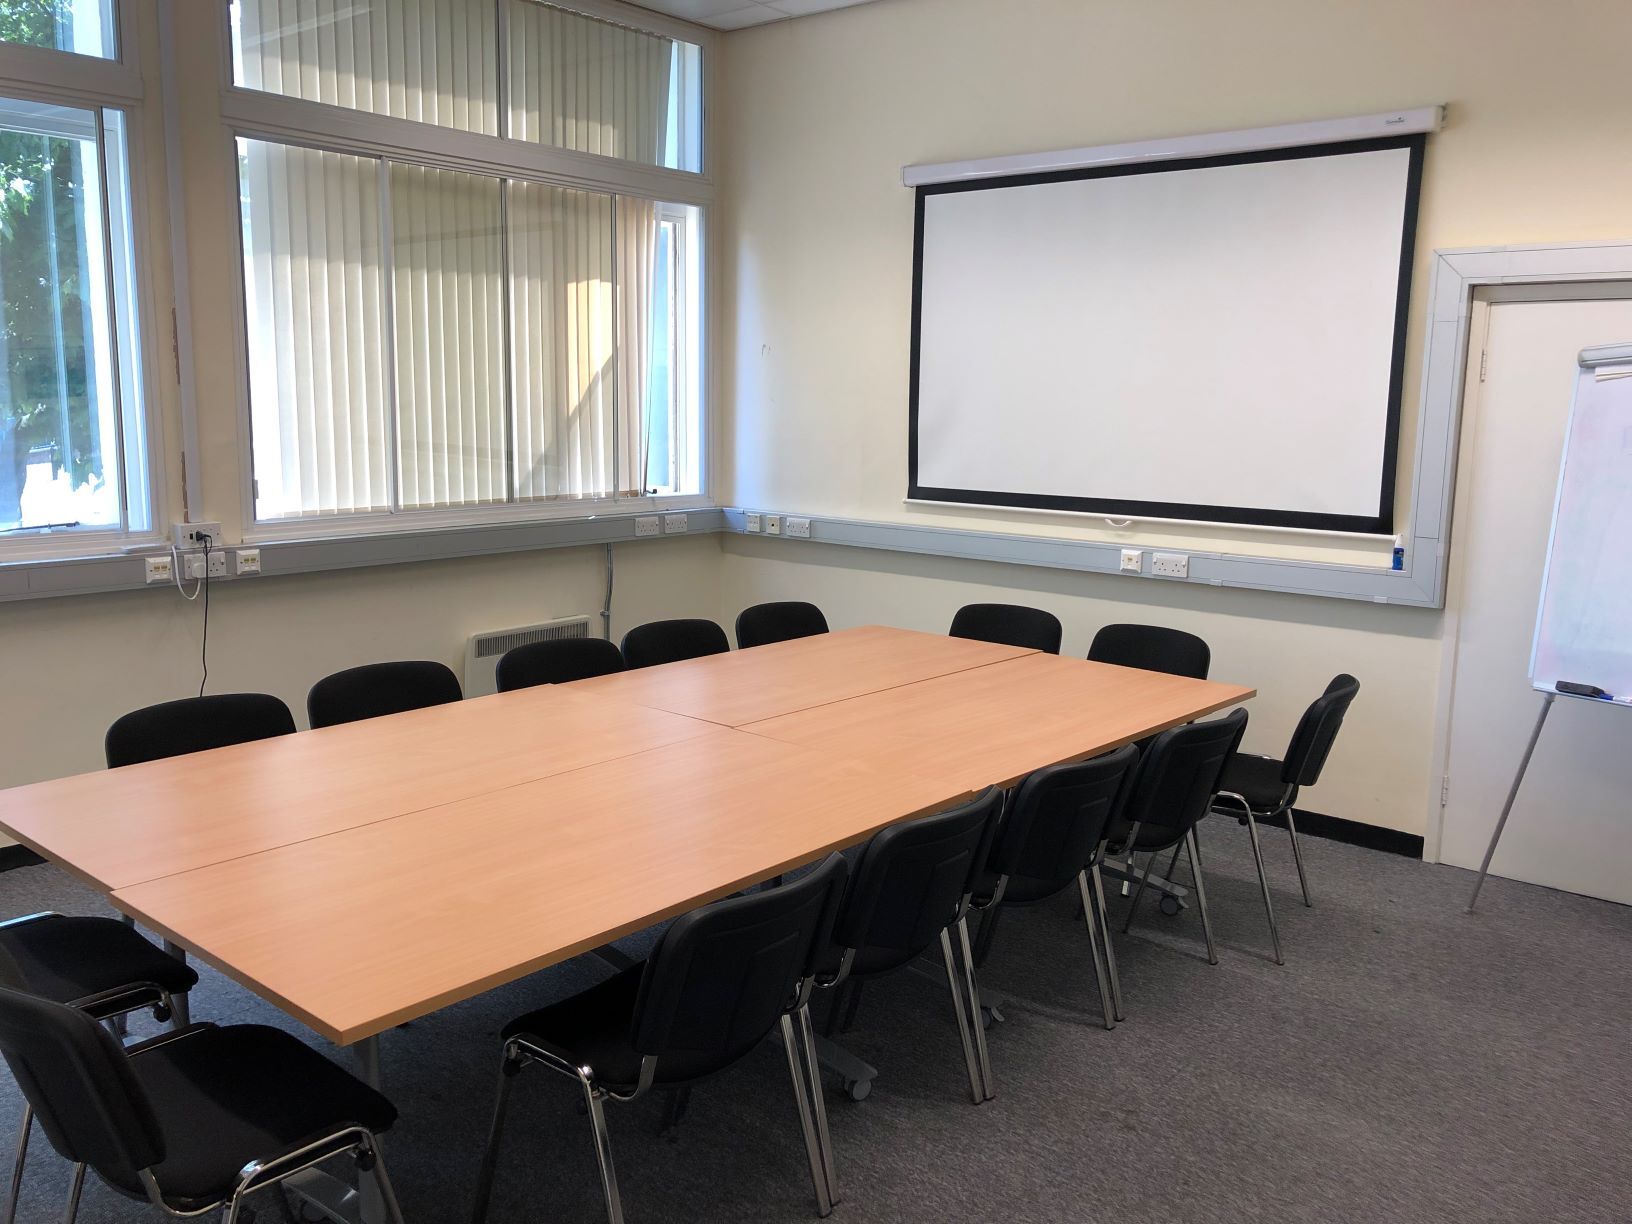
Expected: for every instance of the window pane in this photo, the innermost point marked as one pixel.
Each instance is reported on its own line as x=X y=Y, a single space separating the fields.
x=671 y=364
x=315 y=302
x=448 y=299
x=59 y=402
x=84 y=27
x=434 y=61
x=562 y=341
x=581 y=83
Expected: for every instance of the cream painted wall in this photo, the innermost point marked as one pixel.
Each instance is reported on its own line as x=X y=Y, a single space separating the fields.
x=73 y=665
x=819 y=115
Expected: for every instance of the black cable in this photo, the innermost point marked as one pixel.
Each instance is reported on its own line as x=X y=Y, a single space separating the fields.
x=204 y=640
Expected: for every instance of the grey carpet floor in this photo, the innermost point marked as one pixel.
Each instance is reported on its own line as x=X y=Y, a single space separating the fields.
x=1408 y=1063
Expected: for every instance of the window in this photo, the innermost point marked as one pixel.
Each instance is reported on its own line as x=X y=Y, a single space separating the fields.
x=84 y=27
x=458 y=325
x=73 y=450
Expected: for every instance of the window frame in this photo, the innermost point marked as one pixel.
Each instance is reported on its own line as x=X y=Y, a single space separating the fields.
x=256 y=115
x=88 y=82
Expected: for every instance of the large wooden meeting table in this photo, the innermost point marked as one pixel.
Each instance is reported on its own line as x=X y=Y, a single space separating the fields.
x=362 y=876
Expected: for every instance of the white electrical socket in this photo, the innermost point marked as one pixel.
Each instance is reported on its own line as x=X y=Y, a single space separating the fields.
x=648 y=525
x=750 y=521
x=674 y=524
x=798 y=528
x=1170 y=565
x=193 y=565
x=773 y=524
x=246 y=561
x=159 y=569
x=1133 y=561
x=189 y=535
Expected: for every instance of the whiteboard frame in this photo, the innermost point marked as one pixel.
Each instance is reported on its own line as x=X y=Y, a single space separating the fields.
x=1587 y=359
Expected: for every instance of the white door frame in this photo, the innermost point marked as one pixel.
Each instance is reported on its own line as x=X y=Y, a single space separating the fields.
x=1465 y=283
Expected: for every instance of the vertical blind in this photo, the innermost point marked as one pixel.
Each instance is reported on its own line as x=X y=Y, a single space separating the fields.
x=433 y=61
x=431 y=338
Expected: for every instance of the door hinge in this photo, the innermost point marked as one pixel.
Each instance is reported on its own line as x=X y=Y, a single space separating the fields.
x=175 y=344
x=1484 y=363
x=1444 y=790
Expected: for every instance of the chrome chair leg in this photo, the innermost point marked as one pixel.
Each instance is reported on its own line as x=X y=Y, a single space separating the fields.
x=1107 y=1006
x=17 y=1164
x=1097 y=884
x=603 y=1151
x=791 y=1043
x=818 y=1104
x=1263 y=884
x=1201 y=894
x=971 y=986
x=75 y=1188
x=1297 y=856
x=388 y=1192
x=1144 y=878
x=181 y=1011
x=490 y=1158
x=970 y=1059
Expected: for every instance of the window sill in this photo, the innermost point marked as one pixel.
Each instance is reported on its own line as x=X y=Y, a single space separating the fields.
x=125 y=570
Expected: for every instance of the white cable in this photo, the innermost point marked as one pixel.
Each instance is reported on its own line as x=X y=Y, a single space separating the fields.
x=175 y=573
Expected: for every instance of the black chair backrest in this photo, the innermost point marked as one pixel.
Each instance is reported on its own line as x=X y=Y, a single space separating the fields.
x=1178 y=774
x=194 y=724
x=1008 y=625
x=721 y=976
x=669 y=641
x=1317 y=729
x=558 y=662
x=80 y=1084
x=1057 y=817
x=765 y=623
x=912 y=877
x=377 y=689
x=1153 y=648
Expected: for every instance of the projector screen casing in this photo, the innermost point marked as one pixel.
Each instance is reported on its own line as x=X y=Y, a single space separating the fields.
x=1352 y=492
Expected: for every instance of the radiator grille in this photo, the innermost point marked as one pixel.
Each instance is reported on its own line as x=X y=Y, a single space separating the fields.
x=489 y=644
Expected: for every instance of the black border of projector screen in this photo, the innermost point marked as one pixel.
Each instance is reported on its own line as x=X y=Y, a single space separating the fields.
x=1382 y=523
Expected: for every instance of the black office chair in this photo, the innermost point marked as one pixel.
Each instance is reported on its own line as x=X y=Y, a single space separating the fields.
x=1153 y=648
x=670 y=641
x=558 y=662
x=718 y=981
x=1053 y=830
x=910 y=886
x=195 y=724
x=1172 y=790
x=98 y=965
x=190 y=1121
x=377 y=689
x=1256 y=788
x=1008 y=625
x=765 y=623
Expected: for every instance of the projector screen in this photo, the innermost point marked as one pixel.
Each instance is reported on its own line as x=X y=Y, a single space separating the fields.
x=1219 y=339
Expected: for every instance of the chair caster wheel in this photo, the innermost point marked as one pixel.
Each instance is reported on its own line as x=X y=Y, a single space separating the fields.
x=858 y=1090
x=1171 y=906
x=989 y=1016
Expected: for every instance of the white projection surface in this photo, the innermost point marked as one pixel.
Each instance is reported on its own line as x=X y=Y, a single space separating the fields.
x=1217 y=342
x=1584 y=626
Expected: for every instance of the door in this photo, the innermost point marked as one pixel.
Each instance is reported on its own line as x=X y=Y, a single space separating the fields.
x=1571 y=827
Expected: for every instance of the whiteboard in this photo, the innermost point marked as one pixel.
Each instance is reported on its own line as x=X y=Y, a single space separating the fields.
x=1218 y=340
x=1584 y=623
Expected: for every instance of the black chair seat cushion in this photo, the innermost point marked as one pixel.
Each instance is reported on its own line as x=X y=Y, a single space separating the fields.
x=1151 y=837
x=592 y=1029
x=1256 y=779
x=66 y=959
x=227 y=1096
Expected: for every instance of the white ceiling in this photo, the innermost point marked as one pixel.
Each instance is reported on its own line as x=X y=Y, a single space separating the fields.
x=739 y=14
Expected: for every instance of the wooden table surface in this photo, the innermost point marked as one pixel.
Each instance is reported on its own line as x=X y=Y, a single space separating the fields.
x=361 y=930
x=117 y=827
x=746 y=686
x=362 y=875
x=994 y=725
